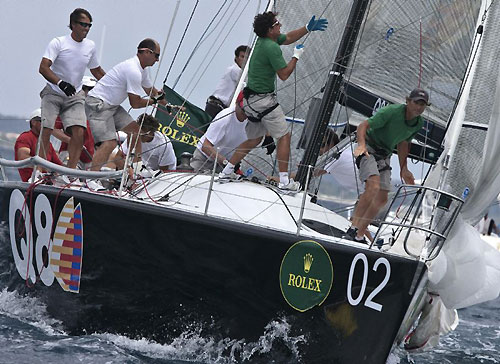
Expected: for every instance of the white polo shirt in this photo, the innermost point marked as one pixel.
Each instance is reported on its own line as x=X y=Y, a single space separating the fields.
x=124 y=78
x=225 y=88
x=156 y=153
x=70 y=59
x=226 y=133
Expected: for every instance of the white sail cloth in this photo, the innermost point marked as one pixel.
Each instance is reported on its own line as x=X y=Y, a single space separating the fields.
x=489 y=177
x=467 y=270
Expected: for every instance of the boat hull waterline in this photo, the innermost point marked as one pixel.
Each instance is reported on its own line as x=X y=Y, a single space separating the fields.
x=127 y=267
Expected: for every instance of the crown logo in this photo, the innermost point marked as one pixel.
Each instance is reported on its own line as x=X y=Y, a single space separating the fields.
x=308 y=261
x=182 y=118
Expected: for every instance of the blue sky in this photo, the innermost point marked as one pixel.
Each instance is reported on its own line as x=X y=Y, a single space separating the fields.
x=27 y=26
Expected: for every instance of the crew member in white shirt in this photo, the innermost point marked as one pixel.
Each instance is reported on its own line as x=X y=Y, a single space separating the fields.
x=221 y=139
x=127 y=79
x=63 y=65
x=224 y=90
x=157 y=150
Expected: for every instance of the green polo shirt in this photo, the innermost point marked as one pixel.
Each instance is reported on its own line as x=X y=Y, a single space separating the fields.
x=265 y=61
x=388 y=127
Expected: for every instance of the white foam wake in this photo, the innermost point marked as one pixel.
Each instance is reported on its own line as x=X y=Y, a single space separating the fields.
x=29 y=310
x=192 y=346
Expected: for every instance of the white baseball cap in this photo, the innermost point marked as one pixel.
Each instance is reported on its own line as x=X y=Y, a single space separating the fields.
x=37 y=113
x=88 y=81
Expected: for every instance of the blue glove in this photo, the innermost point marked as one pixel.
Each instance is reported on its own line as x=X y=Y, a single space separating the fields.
x=320 y=24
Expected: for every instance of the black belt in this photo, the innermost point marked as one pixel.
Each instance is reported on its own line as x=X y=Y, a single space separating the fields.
x=258 y=118
x=379 y=154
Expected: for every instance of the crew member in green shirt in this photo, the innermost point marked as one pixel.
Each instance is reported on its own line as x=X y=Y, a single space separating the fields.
x=260 y=105
x=392 y=126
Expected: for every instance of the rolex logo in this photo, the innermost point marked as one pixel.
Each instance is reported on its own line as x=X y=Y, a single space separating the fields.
x=308 y=261
x=182 y=118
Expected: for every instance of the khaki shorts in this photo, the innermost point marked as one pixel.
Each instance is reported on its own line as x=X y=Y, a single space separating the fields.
x=104 y=119
x=273 y=123
x=70 y=109
x=371 y=167
x=201 y=163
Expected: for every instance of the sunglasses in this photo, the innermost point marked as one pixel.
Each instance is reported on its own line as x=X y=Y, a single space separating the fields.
x=157 y=55
x=276 y=23
x=85 y=25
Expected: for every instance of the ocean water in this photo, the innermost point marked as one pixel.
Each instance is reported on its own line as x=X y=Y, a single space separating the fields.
x=29 y=335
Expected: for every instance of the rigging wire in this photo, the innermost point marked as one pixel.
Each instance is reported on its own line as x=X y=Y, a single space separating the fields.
x=215 y=53
x=201 y=40
x=180 y=42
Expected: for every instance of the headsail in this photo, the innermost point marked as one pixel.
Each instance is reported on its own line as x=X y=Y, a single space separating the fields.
x=397 y=41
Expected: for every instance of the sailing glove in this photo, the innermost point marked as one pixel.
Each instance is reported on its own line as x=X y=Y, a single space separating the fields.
x=320 y=24
x=67 y=88
x=268 y=143
x=298 y=50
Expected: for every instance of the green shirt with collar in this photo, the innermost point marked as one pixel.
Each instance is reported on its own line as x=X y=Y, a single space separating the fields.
x=266 y=59
x=389 y=127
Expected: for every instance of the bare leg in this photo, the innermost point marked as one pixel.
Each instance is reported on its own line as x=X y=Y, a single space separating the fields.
x=44 y=142
x=369 y=204
x=75 y=144
x=283 y=152
x=101 y=154
x=243 y=149
x=132 y=130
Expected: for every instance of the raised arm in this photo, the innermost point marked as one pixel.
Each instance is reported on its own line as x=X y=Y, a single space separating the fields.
x=312 y=26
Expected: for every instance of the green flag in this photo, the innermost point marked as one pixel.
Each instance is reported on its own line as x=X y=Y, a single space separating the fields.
x=184 y=128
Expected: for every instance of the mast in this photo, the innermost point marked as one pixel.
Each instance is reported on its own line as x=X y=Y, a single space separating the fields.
x=332 y=88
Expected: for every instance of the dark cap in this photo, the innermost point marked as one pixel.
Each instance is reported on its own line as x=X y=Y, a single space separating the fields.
x=419 y=94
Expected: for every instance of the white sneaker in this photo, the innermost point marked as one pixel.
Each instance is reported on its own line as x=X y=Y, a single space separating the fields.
x=292 y=186
x=94 y=185
x=223 y=177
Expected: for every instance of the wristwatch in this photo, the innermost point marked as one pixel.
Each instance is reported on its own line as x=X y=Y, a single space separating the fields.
x=225 y=162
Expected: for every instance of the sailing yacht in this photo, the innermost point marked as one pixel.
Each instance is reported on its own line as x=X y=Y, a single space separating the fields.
x=236 y=258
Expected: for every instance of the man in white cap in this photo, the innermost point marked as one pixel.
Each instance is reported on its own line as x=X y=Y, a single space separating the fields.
x=393 y=126
x=61 y=139
x=63 y=65
x=25 y=146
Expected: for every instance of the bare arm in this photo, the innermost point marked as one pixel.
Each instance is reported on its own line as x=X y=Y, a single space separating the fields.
x=154 y=92
x=137 y=102
x=61 y=135
x=295 y=35
x=97 y=72
x=23 y=153
x=361 y=137
x=119 y=160
x=284 y=73
x=46 y=72
x=403 y=152
x=208 y=149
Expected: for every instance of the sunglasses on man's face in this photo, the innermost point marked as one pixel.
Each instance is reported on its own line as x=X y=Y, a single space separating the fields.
x=157 y=55
x=276 y=23
x=85 y=25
